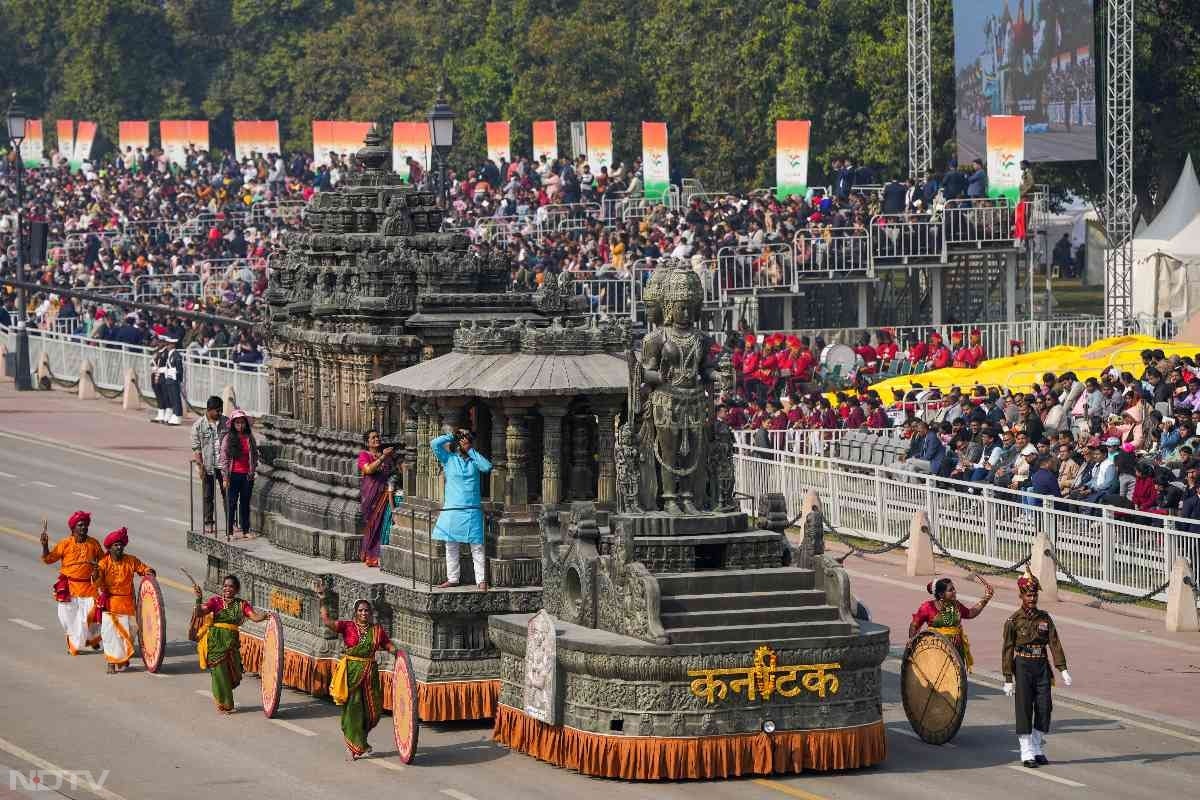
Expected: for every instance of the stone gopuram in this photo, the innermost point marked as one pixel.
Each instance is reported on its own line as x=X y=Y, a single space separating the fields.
x=681 y=636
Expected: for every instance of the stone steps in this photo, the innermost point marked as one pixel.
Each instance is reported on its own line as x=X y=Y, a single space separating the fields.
x=758 y=633
x=734 y=617
x=680 y=603
x=722 y=582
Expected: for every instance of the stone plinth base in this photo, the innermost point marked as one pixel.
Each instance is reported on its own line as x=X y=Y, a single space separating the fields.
x=653 y=758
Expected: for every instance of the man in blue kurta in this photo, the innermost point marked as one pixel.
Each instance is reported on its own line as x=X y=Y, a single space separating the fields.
x=462 y=520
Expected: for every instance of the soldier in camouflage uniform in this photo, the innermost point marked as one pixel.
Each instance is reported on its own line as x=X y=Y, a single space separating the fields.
x=1030 y=640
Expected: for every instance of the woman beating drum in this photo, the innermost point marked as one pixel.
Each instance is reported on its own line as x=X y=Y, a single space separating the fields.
x=944 y=614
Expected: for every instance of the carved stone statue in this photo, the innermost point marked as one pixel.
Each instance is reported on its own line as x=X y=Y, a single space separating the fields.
x=629 y=471
x=677 y=365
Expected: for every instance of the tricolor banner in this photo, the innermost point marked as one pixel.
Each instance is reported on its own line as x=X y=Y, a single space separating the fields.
x=65 y=128
x=179 y=134
x=409 y=140
x=599 y=145
x=343 y=138
x=85 y=138
x=498 y=142
x=33 y=145
x=255 y=136
x=791 y=157
x=656 y=165
x=1005 y=151
x=133 y=134
x=545 y=141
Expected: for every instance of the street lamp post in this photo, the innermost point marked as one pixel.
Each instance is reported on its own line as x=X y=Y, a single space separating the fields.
x=16 y=135
x=441 y=136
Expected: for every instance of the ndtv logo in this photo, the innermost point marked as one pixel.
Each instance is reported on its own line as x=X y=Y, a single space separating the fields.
x=53 y=780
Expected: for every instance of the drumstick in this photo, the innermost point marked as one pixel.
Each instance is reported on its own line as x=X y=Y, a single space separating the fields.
x=189 y=577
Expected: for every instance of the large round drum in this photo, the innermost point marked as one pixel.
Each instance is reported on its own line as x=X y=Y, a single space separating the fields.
x=405 y=717
x=271 y=669
x=152 y=623
x=933 y=687
x=839 y=355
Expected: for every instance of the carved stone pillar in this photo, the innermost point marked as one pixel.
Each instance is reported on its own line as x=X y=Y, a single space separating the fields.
x=606 y=468
x=420 y=409
x=580 y=485
x=499 y=476
x=516 y=490
x=552 y=418
x=411 y=445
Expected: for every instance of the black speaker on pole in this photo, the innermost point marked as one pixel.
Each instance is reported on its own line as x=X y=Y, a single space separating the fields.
x=39 y=235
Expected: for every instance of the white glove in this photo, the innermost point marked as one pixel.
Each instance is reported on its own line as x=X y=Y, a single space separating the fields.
x=1009 y=691
x=1066 y=676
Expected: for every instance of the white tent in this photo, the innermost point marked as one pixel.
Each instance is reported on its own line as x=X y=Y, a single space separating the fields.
x=1166 y=255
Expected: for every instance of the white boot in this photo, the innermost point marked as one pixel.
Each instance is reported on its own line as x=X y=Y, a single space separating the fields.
x=1039 y=747
x=162 y=415
x=173 y=420
x=1027 y=749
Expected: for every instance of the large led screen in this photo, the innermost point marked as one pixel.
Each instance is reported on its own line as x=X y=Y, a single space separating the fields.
x=1033 y=58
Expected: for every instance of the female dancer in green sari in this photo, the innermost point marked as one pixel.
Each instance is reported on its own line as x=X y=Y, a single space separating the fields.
x=218 y=643
x=355 y=683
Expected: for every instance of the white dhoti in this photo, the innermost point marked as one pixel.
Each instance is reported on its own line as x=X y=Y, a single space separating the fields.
x=116 y=630
x=73 y=616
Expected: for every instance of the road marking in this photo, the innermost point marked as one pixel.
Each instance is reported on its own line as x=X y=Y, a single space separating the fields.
x=293 y=727
x=24 y=623
x=456 y=794
x=7 y=475
x=41 y=483
x=161 y=472
x=1037 y=773
x=383 y=762
x=43 y=764
x=783 y=788
x=86 y=496
x=913 y=734
x=131 y=508
x=175 y=521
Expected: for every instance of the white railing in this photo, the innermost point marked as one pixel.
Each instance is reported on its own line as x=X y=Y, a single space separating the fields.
x=203 y=376
x=811 y=441
x=1105 y=547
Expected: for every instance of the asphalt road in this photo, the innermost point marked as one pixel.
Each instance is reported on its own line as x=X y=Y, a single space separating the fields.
x=156 y=737
x=1078 y=145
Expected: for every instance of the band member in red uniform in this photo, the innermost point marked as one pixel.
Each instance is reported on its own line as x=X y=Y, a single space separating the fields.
x=917 y=350
x=939 y=354
x=868 y=354
x=767 y=373
x=735 y=415
x=958 y=351
x=876 y=419
x=977 y=353
x=886 y=350
x=856 y=418
x=750 y=368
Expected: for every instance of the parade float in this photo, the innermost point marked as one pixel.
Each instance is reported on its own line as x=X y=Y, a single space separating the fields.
x=682 y=637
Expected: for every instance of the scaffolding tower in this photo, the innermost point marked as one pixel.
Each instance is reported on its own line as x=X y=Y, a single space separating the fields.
x=1119 y=200
x=920 y=101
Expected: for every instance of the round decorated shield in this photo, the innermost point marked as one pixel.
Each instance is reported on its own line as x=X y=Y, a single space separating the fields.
x=152 y=623
x=933 y=686
x=404 y=707
x=271 y=669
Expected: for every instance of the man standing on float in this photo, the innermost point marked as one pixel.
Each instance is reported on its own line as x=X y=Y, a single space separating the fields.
x=461 y=521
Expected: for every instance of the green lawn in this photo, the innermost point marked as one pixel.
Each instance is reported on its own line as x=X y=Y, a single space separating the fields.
x=1074 y=300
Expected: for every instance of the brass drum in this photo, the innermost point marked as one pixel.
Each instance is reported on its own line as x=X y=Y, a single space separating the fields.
x=405 y=716
x=271 y=669
x=152 y=623
x=933 y=687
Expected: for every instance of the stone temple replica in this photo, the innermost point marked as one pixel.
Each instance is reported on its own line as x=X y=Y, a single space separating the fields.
x=639 y=623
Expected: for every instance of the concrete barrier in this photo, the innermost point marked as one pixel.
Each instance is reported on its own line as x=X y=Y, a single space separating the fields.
x=43 y=370
x=87 y=386
x=920 y=547
x=1182 y=616
x=131 y=398
x=1044 y=569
